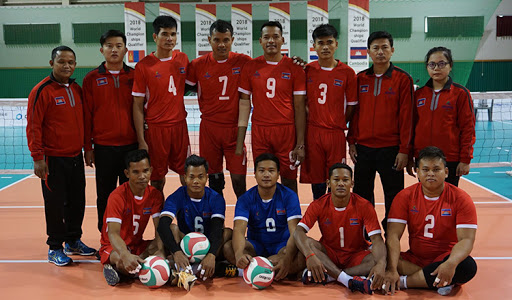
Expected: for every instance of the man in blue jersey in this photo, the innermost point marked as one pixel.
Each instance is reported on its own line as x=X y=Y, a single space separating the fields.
x=270 y=212
x=196 y=208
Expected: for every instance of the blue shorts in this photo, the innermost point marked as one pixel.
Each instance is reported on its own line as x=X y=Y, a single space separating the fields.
x=267 y=250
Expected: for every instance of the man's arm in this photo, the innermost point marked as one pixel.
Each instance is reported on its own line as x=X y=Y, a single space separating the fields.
x=127 y=260
x=244 y=111
x=394 y=233
x=283 y=266
x=405 y=122
x=379 y=255
x=313 y=264
x=242 y=259
x=138 y=121
x=299 y=104
x=215 y=238
x=157 y=242
x=164 y=230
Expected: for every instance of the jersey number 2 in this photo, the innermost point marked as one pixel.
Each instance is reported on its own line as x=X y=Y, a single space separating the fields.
x=429 y=225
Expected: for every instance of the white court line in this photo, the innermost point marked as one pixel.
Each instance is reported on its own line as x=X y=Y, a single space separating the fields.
x=500 y=172
x=28 y=176
x=490 y=191
x=6 y=177
x=474 y=172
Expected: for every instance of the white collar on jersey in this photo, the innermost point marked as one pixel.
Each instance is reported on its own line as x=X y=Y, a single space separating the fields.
x=431 y=199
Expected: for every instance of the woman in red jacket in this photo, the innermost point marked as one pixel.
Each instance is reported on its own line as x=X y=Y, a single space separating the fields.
x=443 y=116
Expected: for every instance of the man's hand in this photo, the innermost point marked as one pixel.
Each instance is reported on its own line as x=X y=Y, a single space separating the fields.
x=143 y=145
x=243 y=261
x=281 y=268
x=298 y=154
x=378 y=272
x=41 y=169
x=410 y=167
x=299 y=61
x=400 y=161
x=462 y=169
x=129 y=262
x=207 y=266
x=352 y=151
x=89 y=158
x=315 y=269
x=391 y=282
x=181 y=261
x=444 y=272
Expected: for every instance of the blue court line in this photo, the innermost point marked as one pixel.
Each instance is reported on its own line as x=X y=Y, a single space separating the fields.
x=7 y=180
x=493 y=180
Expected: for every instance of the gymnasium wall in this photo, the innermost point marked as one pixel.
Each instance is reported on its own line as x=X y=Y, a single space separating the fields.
x=22 y=66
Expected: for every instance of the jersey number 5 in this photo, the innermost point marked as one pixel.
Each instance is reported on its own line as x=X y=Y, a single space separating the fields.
x=136 y=218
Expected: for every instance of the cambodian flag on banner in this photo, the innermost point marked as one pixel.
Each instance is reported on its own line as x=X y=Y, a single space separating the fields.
x=358 y=52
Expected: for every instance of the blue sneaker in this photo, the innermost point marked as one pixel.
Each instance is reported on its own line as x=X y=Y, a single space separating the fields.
x=359 y=284
x=110 y=274
x=58 y=257
x=79 y=248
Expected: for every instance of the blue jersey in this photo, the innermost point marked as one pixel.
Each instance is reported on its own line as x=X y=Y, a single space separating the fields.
x=192 y=215
x=267 y=221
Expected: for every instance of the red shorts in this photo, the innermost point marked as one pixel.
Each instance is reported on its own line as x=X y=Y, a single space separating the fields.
x=344 y=259
x=137 y=249
x=421 y=262
x=324 y=148
x=168 y=148
x=278 y=140
x=217 y=141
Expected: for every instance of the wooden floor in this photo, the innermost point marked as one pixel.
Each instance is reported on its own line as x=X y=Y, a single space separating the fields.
x=26 y=274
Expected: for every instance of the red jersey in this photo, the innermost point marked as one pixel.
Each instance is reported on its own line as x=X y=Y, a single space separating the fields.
x=217 y=86
x=329 y=91
x=132 y=213
x=433 y=223
x=162 y=82
x=55 y=119
x=383 y=117
x=273 y=85
x=108 y=105
x=445 y=119
x=342 y=228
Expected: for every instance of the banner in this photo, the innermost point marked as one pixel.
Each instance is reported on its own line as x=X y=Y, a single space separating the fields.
x=358 y=32
x=281 y=12
x=241 y=19
x=173 y=10
x=318 y=14
x=206 y=14
x=135 y=30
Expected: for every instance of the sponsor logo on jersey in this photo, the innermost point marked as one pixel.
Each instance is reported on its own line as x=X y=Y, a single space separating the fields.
x=128 y=211
x=285 y=75
x=257 y=74
x=146 y=211
x=182 y=70
x=207 y=214
x=327 y=221
x=309 y=80
x=101 y=81
x=338 y=82
x=157 y=75
x=354 y=221
x=448 y=105
x=235 y=71
x=364 y=88
x=446 y=212
x=207 y=75
x=60 y=100
x=421 y=102
x=414 y=210
x=390 y=91
x=281 y=211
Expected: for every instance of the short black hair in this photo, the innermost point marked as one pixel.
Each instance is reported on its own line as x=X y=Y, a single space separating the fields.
x=266 y=156
x=431 y=152
x=221 y=26
x=339 y=166
x=380 y=35
x=271 y=24
x=164 y=22
x=196 y=161
x=135 y=156
x=61 y=48
x=446 y=52
x=325 y=30
x=112 y=33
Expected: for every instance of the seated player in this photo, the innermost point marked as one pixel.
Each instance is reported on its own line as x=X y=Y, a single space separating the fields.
x=196 y=208
x=441 y=221
x=270 y=213
x=342 y=251
x=129 y=208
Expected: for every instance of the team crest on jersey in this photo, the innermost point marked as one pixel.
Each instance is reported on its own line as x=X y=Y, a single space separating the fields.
x=327 y=222
x=182 y=70
x=60 y=101
x=207 y=75
x=446 y=212
x=285 y=75
x=235 y=71
x=421 y=102
x=157 y=75
x=146 y=211
x=364 y=88
x=338 y=82
x=390 y=91
x=207 y=214
x=281 y=211
x=414 y=210
x=101 y=81
x=354 y=221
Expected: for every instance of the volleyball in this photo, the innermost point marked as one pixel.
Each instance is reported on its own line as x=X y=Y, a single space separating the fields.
x=195 y=245
x=154 y=272
x=258 y=273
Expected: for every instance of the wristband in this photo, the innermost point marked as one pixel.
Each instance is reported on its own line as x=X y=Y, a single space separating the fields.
x=300 y=147
x=309 y=256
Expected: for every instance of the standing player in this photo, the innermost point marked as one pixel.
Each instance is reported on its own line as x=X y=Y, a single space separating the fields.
x=331 y=96
x=380 y=132
x=342 y=251
x=270 y=213
x=128 y=211
x=107 y=95
x=278 y=89
x=216 y=76
x=441 y=221
x=158 y=103
x=55 y=134
x=196 y=208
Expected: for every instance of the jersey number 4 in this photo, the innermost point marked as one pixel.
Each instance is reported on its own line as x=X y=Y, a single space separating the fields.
x=172 y=86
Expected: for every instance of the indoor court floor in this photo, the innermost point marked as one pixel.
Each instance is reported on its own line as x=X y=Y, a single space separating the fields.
x=26 y=274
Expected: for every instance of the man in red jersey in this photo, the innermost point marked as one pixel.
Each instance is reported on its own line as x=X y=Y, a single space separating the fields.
x=128 y=211
x=441 y=221
x=278 y=89
x=380 y=133
x=108 y=105
x=55 y=134
x=158 y=102
x=331 y=97
x=342 y=251
x=216 y=76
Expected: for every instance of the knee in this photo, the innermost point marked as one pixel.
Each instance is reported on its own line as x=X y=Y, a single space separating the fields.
x=227 y=234
x=465 y=271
